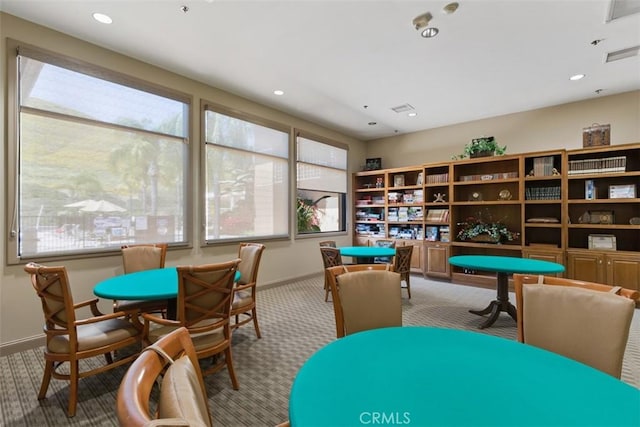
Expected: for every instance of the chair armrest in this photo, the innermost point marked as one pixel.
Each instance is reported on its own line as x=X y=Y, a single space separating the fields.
x=94 y=306
x=100 y=318
x=243 y=287
x=148 y=318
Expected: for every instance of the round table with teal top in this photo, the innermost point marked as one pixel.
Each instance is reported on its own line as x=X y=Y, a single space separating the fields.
x=503 y=266
x=156 y=284
x=423 y=376
x=366 y=254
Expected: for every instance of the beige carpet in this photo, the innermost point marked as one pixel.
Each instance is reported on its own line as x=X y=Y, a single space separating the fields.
x=295 y=322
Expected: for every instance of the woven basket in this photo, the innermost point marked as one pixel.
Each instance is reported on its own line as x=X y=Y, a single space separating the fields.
x=484 y=238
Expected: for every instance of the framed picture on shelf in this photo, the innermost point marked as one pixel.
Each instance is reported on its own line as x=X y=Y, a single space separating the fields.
x=373 y=164
x=398 y=180
x=606 y=242
x=622 y=191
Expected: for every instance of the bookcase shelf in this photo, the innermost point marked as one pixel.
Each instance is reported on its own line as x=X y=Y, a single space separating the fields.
x=532 y=193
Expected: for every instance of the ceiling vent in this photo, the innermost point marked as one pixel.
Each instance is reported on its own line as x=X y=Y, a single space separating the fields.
x=623 y=53
x=403 y=108
x=622 y=8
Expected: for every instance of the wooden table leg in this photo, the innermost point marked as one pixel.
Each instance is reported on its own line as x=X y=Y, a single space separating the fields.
x=500 y=304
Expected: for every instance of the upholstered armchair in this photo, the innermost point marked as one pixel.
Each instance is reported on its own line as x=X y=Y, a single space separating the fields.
x=585 y=321
x=365 y=296
x=70 y=339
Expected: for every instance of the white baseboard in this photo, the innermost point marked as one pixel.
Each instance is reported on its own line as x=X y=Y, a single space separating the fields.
x=22 y=344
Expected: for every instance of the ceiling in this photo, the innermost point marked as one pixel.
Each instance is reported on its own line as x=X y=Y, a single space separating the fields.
x=344 y=64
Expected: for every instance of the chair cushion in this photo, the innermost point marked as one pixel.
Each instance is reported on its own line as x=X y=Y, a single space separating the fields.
x=201 y=341
x=370 y=299
x=95 y=335
x=588 y=326
x=248 y=255
x=138 y=258
x=181 y=395
x=142 y=305
x=241 y=299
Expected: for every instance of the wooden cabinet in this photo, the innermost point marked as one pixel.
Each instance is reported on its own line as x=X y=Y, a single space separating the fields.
x=612 y=268
x=369 y=194
x=436 y=259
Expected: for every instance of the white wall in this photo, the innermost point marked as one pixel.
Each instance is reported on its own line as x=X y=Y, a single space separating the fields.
x=20 y=314
x=536 y=130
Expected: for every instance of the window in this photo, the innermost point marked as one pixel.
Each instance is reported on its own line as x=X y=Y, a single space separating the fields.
x=321 y=186
x=99 y=163
x=246 y=177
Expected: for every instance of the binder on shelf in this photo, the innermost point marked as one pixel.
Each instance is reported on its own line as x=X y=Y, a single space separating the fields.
x=437 y=215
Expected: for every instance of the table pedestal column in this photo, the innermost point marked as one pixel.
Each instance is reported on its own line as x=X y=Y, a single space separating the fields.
x=500 y=304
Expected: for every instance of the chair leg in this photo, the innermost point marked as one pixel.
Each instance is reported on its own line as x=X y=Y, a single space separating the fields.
x=326 y=290
x=254 y=315
x=73 y=387
x=46 y=378
x=408 y=286
x=232 y=372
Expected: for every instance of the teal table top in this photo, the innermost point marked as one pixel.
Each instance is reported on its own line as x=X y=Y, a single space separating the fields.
x=502 y=264
x=422 y=376
x=155 y=284
x=366 y=251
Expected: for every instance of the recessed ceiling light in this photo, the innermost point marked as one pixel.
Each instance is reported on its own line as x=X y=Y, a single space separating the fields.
x=413 y=114
x=278 y=92
x=102 y=18
x=450 y=8
x=577 y=77
x=429 y=32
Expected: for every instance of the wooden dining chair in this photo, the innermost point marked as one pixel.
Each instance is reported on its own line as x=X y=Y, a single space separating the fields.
x=402 y=265
x=365 y=296
x=384 y=243
x=330 y=258
x=139 y=258
x=69 y=339
x=243 y=308
x=204 y=308
x=173 y=363
x=585 y=321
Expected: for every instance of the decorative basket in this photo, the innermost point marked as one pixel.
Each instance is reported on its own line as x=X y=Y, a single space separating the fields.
x=484 y=238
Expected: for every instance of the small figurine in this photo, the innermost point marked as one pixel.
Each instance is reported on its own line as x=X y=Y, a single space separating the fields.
x=555 y=172
x=439 y=197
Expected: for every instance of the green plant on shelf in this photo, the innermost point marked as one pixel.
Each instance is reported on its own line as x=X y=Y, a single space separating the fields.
x=481 y=147
x=480 y=230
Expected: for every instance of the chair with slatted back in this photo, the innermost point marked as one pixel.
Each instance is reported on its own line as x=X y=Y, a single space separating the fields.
x=243 y=308
x=365 y=296
x=203 y=307
x=330 y=258
x=182 y=399
x=69 y=339
x=384 y=243
x=402 y=265
x=138 y=258
x=585 y=321
x=329 y=243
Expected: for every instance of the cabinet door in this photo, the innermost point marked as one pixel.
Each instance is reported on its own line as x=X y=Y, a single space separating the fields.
x=586 y=266
x=623 y=270
x=551 y=256
x=437 y=260
x=416 y=255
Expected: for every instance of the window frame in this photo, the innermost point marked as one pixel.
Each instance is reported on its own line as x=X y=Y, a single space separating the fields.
x=15 y=49
x=300 y=133
x=206 y=105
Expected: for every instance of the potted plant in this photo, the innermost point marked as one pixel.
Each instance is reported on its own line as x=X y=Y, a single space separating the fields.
x=481 y=147
x=478 y=230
